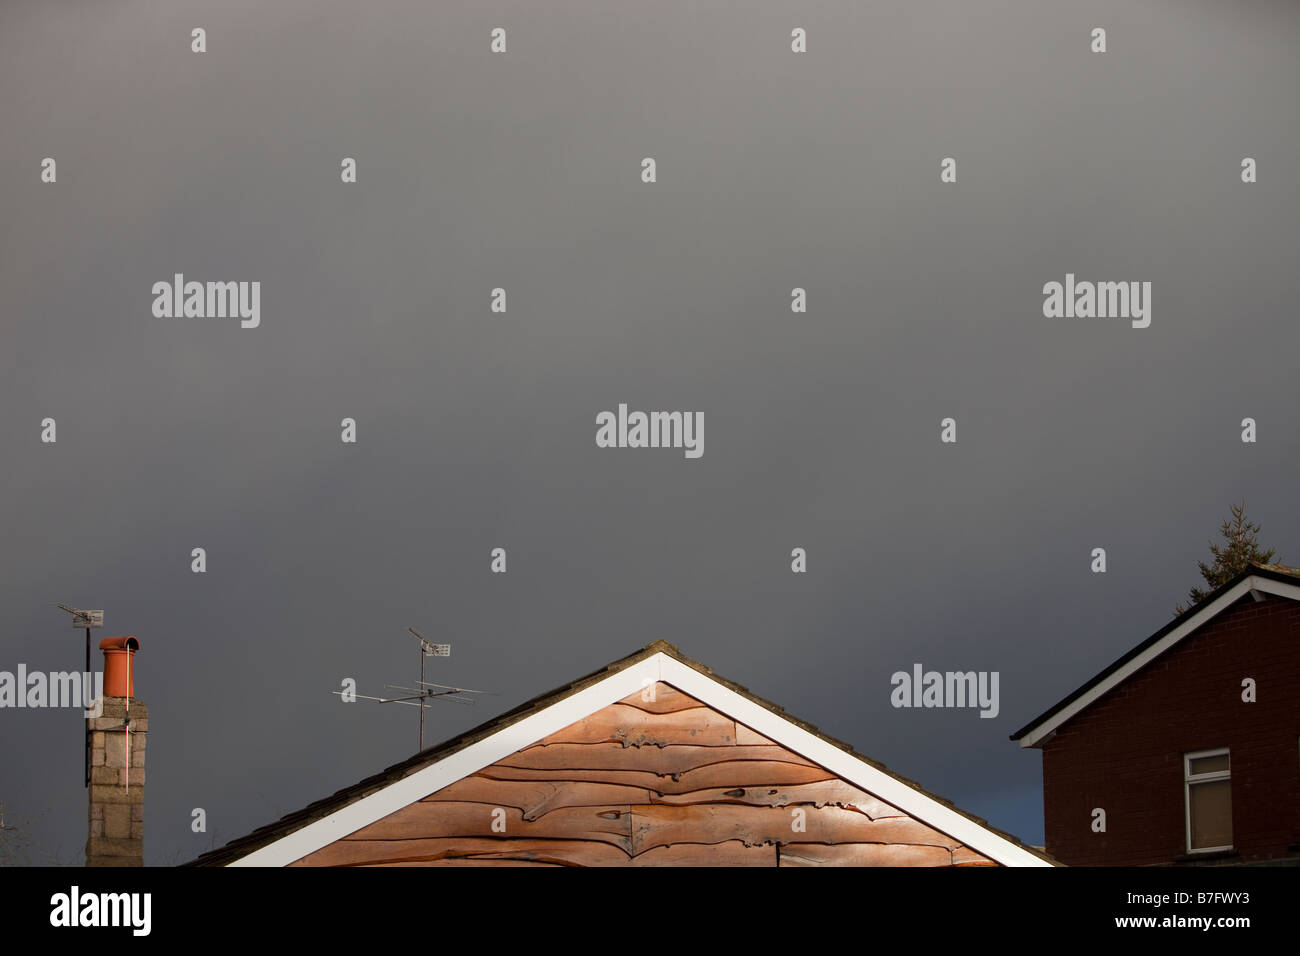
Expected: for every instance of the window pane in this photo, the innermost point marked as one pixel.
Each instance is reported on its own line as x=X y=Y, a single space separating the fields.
x=1211 y=810
x=1213 y=764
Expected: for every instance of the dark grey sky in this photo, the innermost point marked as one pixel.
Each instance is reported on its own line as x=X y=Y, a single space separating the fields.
x=477 y=430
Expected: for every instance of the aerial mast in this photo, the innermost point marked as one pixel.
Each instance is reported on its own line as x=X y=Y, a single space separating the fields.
x=425 y=691
x=86 y=619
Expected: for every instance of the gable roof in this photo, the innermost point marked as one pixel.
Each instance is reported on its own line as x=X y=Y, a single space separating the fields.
x=1258 y=579
x=309 y=829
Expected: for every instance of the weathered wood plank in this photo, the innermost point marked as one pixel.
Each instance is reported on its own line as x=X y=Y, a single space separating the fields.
x=607 y=824
x=726 y=775
x=667 y=699
x=661 y=760
x=729 y=853
x=863 y=854
x=485 y=852
x=643 y=779
x=749 y=773
x=633 y=727
x=965 y=856
x=461 y=862
x=659 y=824
x=820 y=794
x=535 y=798
x=752 y=738
x=435 y=849
x=573 y=853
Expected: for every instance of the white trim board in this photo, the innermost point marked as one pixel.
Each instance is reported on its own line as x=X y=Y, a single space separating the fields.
x=1038 y=733
x=657 y=667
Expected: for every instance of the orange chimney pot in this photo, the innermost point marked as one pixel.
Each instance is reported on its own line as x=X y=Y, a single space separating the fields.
x=118 y=652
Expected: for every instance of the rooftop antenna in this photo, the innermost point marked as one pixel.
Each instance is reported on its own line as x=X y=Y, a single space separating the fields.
x=427 y=690
x=86 y=619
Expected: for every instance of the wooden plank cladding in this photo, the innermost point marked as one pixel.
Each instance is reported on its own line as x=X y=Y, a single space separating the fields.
x=657 y=779
x=633 y=727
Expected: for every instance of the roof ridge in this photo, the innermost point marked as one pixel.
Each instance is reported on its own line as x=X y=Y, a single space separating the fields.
x=296 y=820
x=1262 y=571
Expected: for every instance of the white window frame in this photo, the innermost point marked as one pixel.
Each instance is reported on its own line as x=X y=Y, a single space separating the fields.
x=1189 y=781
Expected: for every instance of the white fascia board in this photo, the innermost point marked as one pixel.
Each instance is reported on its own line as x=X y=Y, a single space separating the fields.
x=462 y=763
x=614 y=688
x=1040 y=732
x=843 y=764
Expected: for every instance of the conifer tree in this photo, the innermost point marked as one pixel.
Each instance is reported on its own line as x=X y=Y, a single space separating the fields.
x=1238 y=550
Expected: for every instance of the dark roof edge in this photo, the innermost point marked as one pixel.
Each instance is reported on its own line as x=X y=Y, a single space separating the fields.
x=1255 y=570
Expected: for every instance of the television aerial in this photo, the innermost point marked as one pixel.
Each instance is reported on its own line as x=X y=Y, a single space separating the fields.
x=425 y=691
x=87 y=620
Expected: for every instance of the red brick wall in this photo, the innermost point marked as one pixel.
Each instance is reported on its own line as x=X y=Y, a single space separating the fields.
x=1124 y=753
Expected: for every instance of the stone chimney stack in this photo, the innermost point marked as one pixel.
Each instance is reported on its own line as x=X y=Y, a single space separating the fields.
x=117 y=743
